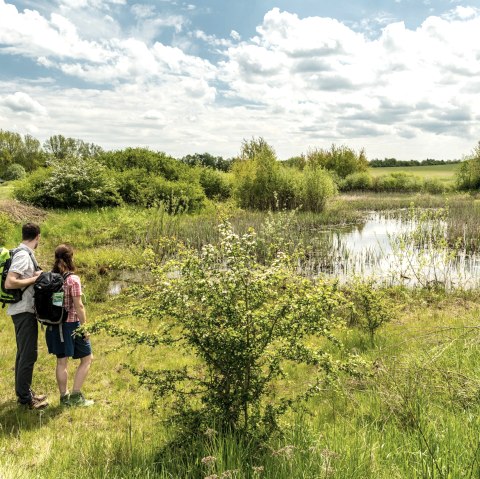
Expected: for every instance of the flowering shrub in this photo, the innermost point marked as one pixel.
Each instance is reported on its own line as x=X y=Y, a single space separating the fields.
x=71 y=182
x=249 y=324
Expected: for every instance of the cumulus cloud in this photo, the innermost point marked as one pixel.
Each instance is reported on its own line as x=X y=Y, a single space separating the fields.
x=20 y=102
x=297 y=81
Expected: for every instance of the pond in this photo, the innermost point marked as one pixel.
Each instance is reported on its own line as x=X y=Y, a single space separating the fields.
x=391 y=248
x=394 y=249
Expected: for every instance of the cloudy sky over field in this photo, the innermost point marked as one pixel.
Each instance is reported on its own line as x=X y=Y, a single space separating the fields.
x=398 y=77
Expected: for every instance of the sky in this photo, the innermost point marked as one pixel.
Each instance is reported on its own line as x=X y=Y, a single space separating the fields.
x=399 y=78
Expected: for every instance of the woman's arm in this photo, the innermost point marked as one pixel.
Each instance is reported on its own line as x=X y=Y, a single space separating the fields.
x=80 y=309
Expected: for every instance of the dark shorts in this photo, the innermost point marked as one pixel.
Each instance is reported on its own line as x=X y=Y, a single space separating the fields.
x=73 y=346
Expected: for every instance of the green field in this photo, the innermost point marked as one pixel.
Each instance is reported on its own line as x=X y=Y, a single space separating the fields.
x=445 y=173
x=415 y=416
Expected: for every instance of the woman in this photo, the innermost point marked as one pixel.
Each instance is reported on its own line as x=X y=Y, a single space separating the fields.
x=74 y=346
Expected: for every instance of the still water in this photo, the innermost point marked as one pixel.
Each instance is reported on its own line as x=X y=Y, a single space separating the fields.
x=386 y=248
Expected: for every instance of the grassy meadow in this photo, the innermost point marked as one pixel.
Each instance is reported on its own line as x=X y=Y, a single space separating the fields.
x=415 y=415
x=445 y=173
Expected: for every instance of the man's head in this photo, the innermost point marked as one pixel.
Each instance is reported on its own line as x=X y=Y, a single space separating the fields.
x=31 y=234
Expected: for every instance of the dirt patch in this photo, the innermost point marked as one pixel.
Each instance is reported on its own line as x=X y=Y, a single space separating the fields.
x=20 y=212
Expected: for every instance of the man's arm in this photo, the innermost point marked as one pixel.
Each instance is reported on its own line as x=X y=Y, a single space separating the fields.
x=14 y=281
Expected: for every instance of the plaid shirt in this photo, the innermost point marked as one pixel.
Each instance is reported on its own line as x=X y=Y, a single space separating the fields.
x=72 y=287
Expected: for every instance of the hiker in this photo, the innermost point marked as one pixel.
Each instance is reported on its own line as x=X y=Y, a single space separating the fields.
x=65 y=343
x=22 y=274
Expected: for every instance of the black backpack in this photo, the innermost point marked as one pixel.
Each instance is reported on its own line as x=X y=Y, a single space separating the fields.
x=49 y=298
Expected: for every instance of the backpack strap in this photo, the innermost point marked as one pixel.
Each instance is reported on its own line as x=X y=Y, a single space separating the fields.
x=32 y=257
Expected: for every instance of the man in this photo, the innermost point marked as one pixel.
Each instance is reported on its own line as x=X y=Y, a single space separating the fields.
x=22 y=274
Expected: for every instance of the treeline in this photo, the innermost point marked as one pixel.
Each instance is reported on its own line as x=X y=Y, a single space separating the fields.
x=389 y=162
x=66 y=172
x=70 y=173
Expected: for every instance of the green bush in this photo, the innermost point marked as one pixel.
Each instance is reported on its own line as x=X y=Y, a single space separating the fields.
x=356 y=182
x=246 y=323
x=260 y=181
x=70 y=183
x=215 y=184
x=314 y=187
x=434 y=186
x=370 y=307
x=157 y=163
x=135 y=186
x=400 y=181
x=14 y=172
x=468 y=174
x=341 y=160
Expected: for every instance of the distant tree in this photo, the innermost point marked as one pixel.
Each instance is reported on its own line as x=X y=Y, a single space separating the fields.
x=340 y=160
x=145 y=159
x=208 y=160
x=60 y=147
x=25 y=151
x=297 y=162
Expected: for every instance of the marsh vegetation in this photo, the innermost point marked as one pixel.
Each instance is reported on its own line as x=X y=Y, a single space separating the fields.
x=254 y=340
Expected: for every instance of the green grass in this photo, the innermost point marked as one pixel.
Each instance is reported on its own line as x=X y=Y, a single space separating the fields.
x=416 y=416
x=445 y=173
x=6 y=191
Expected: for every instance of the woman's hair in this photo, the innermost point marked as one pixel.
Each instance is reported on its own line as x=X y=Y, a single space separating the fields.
x=63 y=259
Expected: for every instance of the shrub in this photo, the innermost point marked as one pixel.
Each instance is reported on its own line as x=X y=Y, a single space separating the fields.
x=434 y=186
x=341 y=160
x=260 y=182
x=137 y=187
x=400 y=181
x=215 y=184
x=356 y=182
x=246 y=323
x=370 y=307
x=468 y=175
x=14 y=172
x=157 y=163
x=316 y=185
x=70 y=183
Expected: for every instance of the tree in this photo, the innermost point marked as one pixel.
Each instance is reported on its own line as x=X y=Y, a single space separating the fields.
x=341 y=160
x=207 y=160
x=468 y=174
x=61 y=147
x=25 y=151
x=259 y=182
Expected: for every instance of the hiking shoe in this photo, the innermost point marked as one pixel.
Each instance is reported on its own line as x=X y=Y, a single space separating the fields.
x=35 y=404
x=65 y=399
x=38 y=397
x=78 y=399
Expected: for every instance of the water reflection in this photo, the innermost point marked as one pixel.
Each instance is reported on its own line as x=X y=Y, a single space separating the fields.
x=394 y=249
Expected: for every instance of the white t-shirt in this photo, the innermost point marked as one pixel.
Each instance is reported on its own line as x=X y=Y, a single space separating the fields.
x=23 y=265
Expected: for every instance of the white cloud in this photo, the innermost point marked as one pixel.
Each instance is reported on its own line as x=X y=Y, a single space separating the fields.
x=298 y=82
x=142 y=10
x=20 y=102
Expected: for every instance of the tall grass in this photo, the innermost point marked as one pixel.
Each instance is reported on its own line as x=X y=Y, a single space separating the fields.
x=416 y=416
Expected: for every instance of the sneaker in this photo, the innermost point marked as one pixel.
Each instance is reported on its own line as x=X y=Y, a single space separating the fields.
x=35 y=404
x=78 y=399
x=38 y=397
x=65 y=399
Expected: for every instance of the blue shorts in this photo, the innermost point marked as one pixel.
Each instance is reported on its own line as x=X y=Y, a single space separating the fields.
x=73 y=346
